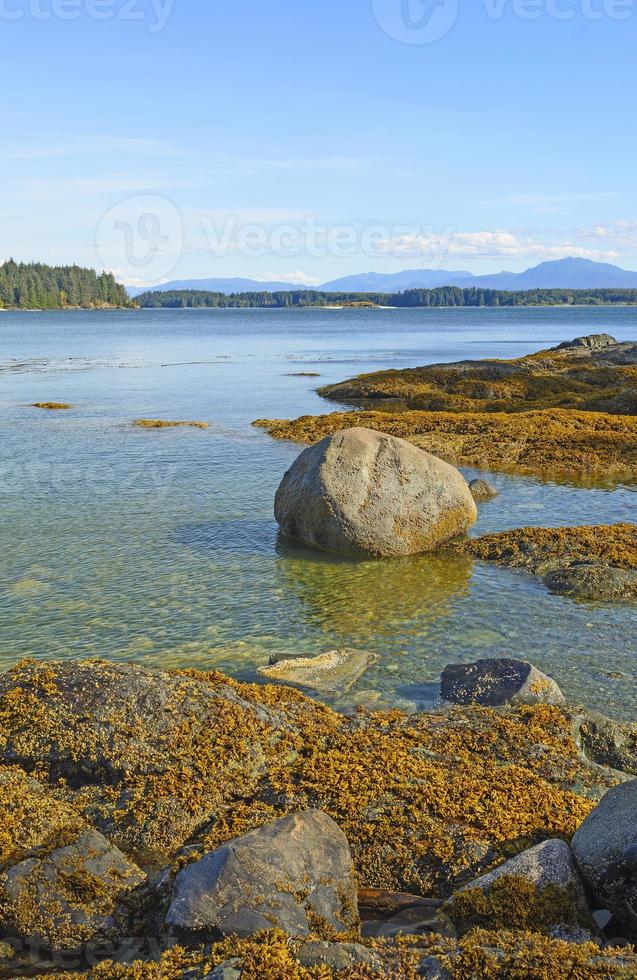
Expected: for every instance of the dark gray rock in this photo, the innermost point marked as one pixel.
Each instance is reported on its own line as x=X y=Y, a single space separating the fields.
x=295 y=874
x=483 y=490
x=337 y=956
x=363 y=493
x=605 y=847
x=70 y=897
x=494 y=682
x=594 y=582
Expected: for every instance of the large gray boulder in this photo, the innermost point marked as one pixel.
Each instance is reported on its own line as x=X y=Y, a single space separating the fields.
x=295 y=874
x=363 y=493
x=72 y=897
x=605 y=848
x=498 y=681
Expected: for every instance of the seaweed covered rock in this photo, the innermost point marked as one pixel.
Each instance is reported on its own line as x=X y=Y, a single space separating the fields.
x=586 y=373
x=138 y=749
x=71 y=897
x=575 y=444
x=295 y=874
x=156 y=760
x=590 y=562
x=605 y=848
x=361 y=493
x=539 y=889
x=595 y=582
x=498 y=681
x=606 y=741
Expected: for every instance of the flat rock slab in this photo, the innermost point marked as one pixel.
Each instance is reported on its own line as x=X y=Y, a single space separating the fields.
x=295 y=874
x=495 y=682
x=330 y=673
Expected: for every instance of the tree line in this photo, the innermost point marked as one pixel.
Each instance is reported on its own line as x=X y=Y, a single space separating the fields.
x=442 y=296
x=33 y=285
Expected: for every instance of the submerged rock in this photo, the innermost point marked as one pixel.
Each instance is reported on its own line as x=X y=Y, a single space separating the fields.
x=539 y=889
x=599 y=582
x=483 y=490
x=329 y=673
x=605 y=848
x=606 y=741
x=71 y=897
x=295 y=874
x=498 y=681
x=361 y=493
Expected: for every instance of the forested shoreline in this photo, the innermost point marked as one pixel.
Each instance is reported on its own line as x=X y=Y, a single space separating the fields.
x=446 y=296
x=35 y=286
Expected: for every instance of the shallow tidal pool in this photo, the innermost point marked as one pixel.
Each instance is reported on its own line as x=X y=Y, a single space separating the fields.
x=160 y=545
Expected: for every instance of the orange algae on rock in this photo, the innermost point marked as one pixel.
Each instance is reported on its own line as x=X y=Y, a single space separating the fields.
x=551 y=442
x=164 y=424
x=538 y=549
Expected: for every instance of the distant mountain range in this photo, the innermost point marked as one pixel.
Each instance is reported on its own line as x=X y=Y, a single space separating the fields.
x=562 y=274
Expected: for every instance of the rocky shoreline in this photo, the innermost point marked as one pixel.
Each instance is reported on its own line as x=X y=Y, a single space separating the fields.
x=169 y=824
x=567 y=412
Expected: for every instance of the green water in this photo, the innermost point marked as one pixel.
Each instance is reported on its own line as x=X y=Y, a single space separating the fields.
x=160 y=546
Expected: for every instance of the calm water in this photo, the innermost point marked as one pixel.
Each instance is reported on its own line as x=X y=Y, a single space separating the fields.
x=160 y=546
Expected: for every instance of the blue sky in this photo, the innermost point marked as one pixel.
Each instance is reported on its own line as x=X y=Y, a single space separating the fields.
x=308 y=140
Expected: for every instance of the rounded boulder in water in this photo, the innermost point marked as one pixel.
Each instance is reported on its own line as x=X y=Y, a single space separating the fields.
x=362 y=493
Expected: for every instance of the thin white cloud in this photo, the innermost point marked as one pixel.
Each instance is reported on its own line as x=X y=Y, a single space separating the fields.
x=486 y=244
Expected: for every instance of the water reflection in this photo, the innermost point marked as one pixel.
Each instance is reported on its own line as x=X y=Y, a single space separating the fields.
x=369 y=599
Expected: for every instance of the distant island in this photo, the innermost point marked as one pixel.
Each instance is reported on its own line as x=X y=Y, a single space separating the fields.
x=445 y=296
x=35 y=286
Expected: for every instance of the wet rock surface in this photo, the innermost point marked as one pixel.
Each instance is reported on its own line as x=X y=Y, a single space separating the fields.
x=361 y=493
x=72 y=896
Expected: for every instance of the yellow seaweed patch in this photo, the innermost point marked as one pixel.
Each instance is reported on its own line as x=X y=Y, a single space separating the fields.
x=163 y=424
x=554 y=442
x=52 y=406
x=537 y=548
